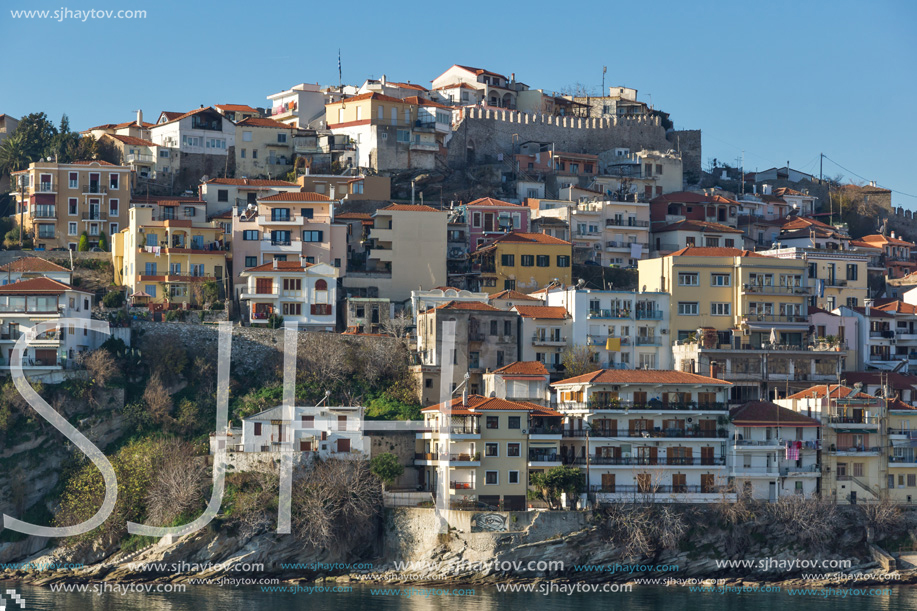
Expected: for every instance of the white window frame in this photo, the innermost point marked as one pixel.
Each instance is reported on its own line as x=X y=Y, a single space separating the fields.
x=682 y=310
x=682 y=276
x=715 y=277
x=72 y=228
x=491 y=443
x=496 y=483
x=721 y=309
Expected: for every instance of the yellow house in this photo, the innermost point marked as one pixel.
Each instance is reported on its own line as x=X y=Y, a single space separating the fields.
x=264 y=148
x=523 y=262
x=902 y=457
x=167 y=261
x=491 y=444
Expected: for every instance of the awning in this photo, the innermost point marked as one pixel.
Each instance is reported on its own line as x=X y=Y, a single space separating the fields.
x=857 y=431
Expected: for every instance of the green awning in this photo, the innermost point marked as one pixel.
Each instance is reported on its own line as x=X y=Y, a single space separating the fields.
x=874 y=431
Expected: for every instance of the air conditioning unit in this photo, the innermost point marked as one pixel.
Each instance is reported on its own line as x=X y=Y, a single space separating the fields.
x=140 y=229
x=525 y=431
x=663 y=331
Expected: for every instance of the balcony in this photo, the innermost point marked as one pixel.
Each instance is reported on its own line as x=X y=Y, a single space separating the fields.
x=612 y=245
x=259 y=294
x=94 y=216
x=660 y=433
x=650 y=314
x=855 y=451
x=662 y=461
x=865 y=420
x=622 y=313
x=289 y=220
x=658 y=406
x=601 y=340
x=281 y=246
x=803 y=470
x=652 y=490
x=776 y=318
x=425 y=146
x=45 y=187
x=649 y=340
x=540 y=340
x=95 y=189
x=883 y=334
x=626 y=223
x=465 y=459
x=776 y=290
x=140 y=158
x=461 y=485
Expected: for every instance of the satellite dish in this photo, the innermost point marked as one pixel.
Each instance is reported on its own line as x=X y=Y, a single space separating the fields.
x=493 y=394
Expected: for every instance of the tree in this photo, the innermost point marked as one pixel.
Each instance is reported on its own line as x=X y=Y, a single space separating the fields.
x=158 y=401
x=178 y=483
x=578 y=360
x=387 y=468
x=14 y=155
x=549 y=486
x=103 y=241
x=101 y=367
x=397 y=326
x=37 y=133
x=83 y=244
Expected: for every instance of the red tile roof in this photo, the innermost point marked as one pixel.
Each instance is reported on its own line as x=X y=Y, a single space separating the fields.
x=467 y=305
x=32 y=264
x=259 y=122
x=512 y=294
x=489 y=201
x=520 y=236
x=446 y=288
x=545 y=312
x=372 y=95
x=689 y=197
x=418 y=101
x=37 y=286
x=90 y=162
x=701 y=251
x=362 y=216
x=158 y=199
x=802 y=222
x=479 y=71
x=862 y=244
x=882 y=239
x=641 y=376
x=251 y=182
x=286 y=266
x=296 y=196
x=172 y=119
x=692 y=225
x=408 y=86
x=235 y=108
x=526 y=368
x=409 y=208
x=130 y=140
x=765 y=413
x=170 y=115
x=898 y=307
x=476 y=404
x=821 y=391
x=781 y=191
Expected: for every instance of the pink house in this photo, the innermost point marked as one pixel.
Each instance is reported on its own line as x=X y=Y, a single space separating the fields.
x=489 y=218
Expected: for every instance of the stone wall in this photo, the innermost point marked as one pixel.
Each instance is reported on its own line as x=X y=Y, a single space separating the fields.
x=688 y=143
x=401 y=444
x=904 y=223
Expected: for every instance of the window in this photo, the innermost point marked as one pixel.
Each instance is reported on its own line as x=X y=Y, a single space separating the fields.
x=74 y=180
x=719 y=280
x=71 y=229
x=72 y=209
x=113 y=207
x=491 y=478
x=292 y=309
x=730 y=243
x=493 y=327
x=246 y=136
x=313 y=236
x=509 y=285
x=403 y=135
x=381 y=113
x=282 y=138
x=687 y=308
x=257 y=428
x=243 y=153
x=250 y=234
x=858 y=469
x=563 y=261
x=711 y=242
x=293 y=284
x=513 y=449
x=688 y=279
x=251 y=261
x=175 y=269
x=493 y=422
x=852 y=271
x=508 y=260
x=307 y=213
x=507 y=327
x=46 y=231
x=851 y=302
x=527 y=260
x=720 y=309
x=514 y=422
x=543 y=260
x=514 y=477
x=476 y=219
x=113 y=181
x=163 y=152
x=254 y=153
x=492 y=449
x=223 y=195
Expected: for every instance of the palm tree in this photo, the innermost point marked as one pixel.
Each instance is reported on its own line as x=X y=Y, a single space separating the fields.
x=13 y=154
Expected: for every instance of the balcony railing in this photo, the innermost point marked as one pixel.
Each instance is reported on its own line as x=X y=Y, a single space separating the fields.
x=610 y=313
x=540 y=340
x=650 y=314
x=665 y=461
x=461 y=485
x=44 y=187
x=667 y=489
x=864 y=419
x=654 y=405
x=776 y=318
x=648 y=340
x=777 y=290
x=601 y=340
x=95 y=189
x=671 y=433
x=882 y=333
x=544 y=458
x=626 y=223
x=784 y=471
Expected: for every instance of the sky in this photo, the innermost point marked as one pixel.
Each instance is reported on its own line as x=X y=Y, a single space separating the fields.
x=781 y=81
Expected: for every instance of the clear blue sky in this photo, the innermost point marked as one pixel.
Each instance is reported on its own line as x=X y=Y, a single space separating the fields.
x=782 y=80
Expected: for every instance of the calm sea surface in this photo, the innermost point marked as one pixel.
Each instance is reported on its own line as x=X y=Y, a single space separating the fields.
x=207 y=598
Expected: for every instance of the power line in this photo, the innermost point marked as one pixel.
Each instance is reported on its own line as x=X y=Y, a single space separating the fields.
x=867 y=180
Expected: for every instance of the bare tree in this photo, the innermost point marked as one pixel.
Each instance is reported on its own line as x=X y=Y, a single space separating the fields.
x=643 y=529
x=158 y=401
x=883 y=517
x=399 y=325
x=809 y=521
x=101 y=367
x=178 y=485
x=578 y=360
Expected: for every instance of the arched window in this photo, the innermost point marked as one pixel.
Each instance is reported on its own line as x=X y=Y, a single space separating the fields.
x=321 y=285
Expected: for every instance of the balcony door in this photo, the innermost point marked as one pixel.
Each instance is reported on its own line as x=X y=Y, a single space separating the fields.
x=95 y=209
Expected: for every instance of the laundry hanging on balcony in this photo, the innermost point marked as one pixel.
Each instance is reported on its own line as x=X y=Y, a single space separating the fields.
x=613 y=344
x=792 y=450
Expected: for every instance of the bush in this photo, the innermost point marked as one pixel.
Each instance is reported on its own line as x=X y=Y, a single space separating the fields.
x=217 y=305
x=275 y=321
x=83 y=244
x=113 y=299
x=103 y=241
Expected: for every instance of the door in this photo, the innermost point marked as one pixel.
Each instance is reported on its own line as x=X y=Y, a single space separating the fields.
x=343 y=445
x=772 y=492
x=305 y=446
x=706 y=483
x=706 y=456
x=94 y=210
x=342 y=423
x=679 y=482
x=608 y=482
x=488 y=222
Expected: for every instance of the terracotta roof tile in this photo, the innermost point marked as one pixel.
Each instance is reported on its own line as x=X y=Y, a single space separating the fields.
x=286 y=266
x=765 y=413
x=468 y=305
x=410 y=208
x=235 y=108
x=90 y=162
x=512 y=294
x=251 y=182
x=898 y=307
x=296 y=196
x=520 y=236
x=820 y=391
x=701 y=251
x=130 y=140
x=489 y=201
x=372 y=95
x=692 y=225
x=546 y=312
x=882 y=239
x=362 y=216
x=32 y=264
x=36 y=286
x=641 y=376
x=259 y=122
x=533 y=368
x=476 y=404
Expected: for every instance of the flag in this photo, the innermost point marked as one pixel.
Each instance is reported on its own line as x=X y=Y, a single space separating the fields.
x=339 y=67
x=604 y=69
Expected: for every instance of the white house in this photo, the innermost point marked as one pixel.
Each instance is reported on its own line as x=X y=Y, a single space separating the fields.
x=24 y=268
x=200 y=132
x=422 y=300
x=520 y=381
x=302 y=292
x=331 y=432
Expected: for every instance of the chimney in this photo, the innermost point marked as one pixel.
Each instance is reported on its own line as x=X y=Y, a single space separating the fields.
x=872 y=183
x=331 y=192
x=383 y=80
x=302 y=261
x=140 y=117
x=275 y=263
x=893 y=234
x=512 y=77
x=868 y=304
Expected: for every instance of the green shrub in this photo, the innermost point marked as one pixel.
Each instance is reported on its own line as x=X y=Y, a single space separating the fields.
x=83 y=244
x=113 y=299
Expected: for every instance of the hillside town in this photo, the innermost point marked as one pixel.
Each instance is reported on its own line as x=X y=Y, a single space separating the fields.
x=669 y=329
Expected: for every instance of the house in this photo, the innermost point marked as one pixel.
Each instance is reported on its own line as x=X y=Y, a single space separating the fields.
x=406 y=252
x=237 y=112
x=506 y=300
x=58 y=202
x=367 y=315
x=685 y=205
x=491 y=88
x=168 y=261
x=393 y=89
x=680 y=234
x=421 y=300
x=653 y=435
x=305 y=293
x=741 y=316
x=285 y=226
x=645 y=174
x=836 y=276
x=556 y=169
x=194 y=144
x=490 y=446
x=489 y=218
x=544 y=334
x=625 y=329
x=141 y=155
x=520 y=381
x=222 y=194
x=300 y=106
x=346 y=187
x=37 y=300
x=138 y=128
x=264 y=148
x=899 y=254
x=485 y=339
x=621 y=102
x=326 y=431
x=775 y=451
x=24 y=268
x=523 y=261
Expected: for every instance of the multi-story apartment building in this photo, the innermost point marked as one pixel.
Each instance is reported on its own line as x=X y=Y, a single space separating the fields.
x=544 y=334
x=648 y=435
x=485 y=339
x=421 y=301
x=407 y=252
x=286 y=226
x=681 y=234
x=855 y=440
x=902 y=457
x=646 y=174
x=488 y=447
x=480 y=85
x=626 y=329
x=685 y=205
x=264 y=148
x=300 y=106
x=520 y=381
x=898 y=254
x=301 y=292
x=32 y=301
x=883 y=345
x=837 y=277
x=58 y=202
x=775 y=451
x=604 y=231
x=166 y=260
x=222 y=194
x=489 y=218
x=195 y=144
x=744 y=317
x=391 y=133
x=523 y=261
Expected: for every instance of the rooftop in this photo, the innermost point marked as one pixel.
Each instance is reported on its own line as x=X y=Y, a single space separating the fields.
x=641 y=376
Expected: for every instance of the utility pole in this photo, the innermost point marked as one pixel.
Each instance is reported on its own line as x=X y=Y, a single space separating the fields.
x=821 y=165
